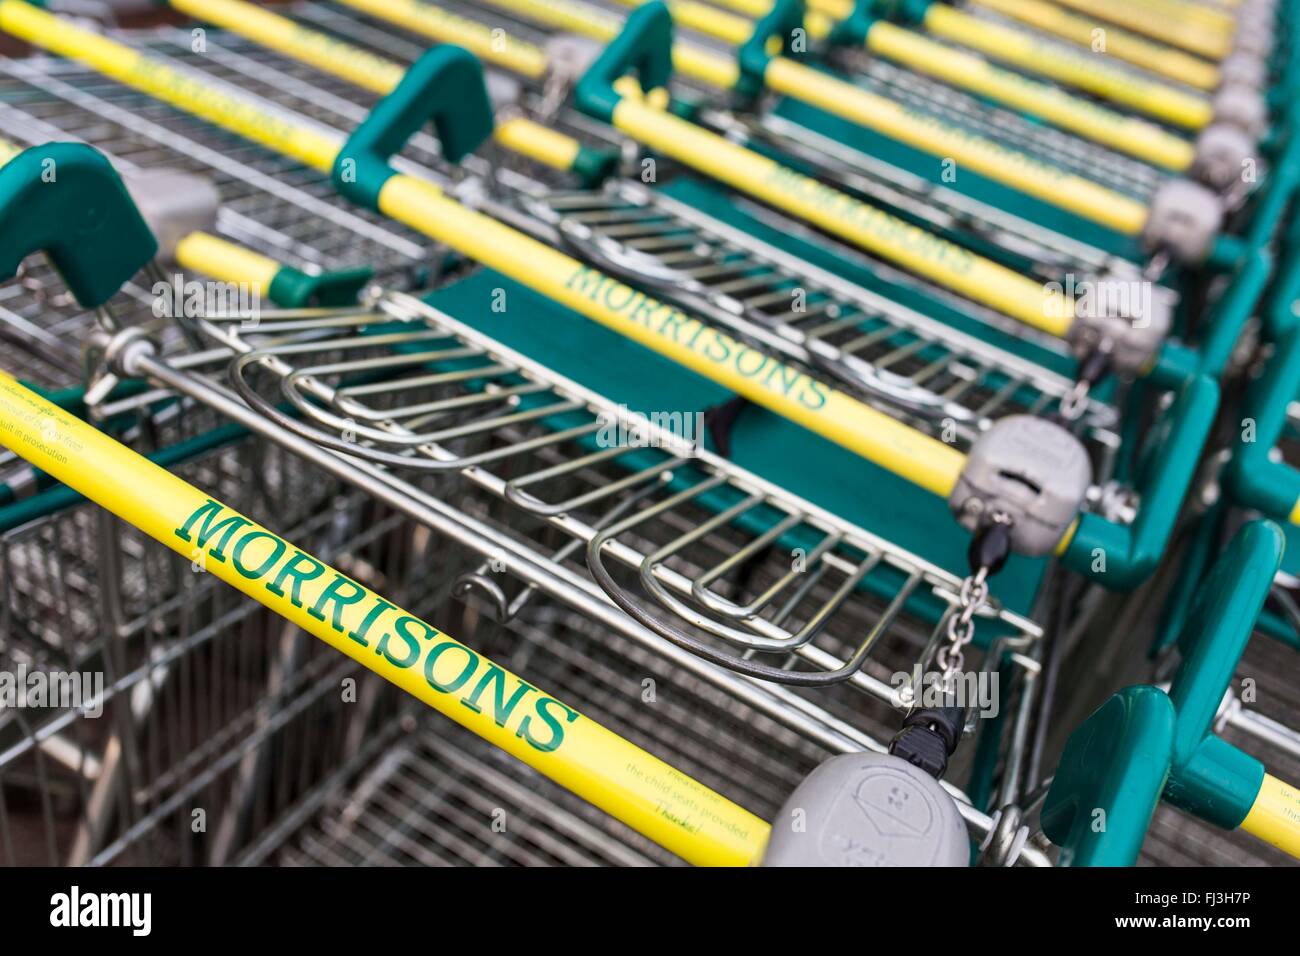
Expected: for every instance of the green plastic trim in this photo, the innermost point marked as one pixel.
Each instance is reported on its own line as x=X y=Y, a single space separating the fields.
x=1210 y=777
x=1144 y=742
x=66 y=200
x=1131 y=552
x=780 y=22
x=1253 y=478
x=1235 y=306
x=1109 y=780
x=643 y=47
x=853 y=30
x=444 y=86
x=910 y=12
x=293 y=289
x=593 y=166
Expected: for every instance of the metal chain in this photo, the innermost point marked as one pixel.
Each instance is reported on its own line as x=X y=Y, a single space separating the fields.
x=973 y=595
x=1075 y=402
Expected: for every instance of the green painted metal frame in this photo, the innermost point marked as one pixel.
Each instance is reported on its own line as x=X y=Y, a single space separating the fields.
x=1144 y=745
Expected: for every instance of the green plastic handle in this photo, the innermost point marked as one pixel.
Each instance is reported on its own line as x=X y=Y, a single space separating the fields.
x=445 y=86
x=785 y=17
x=1110 y=778
x=1253 y=478
x=644 y=47
x=1144 y=742
x=293 y=289
x=66 y=200
x=1132 y=551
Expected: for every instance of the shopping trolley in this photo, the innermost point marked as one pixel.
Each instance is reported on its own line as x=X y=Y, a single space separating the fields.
x=189 y=702
x=1195 y=398
x=297 y=336
x=481 y=583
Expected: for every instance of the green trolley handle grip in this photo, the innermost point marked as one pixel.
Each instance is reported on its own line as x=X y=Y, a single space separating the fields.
x=445 y=86
x=752 y=56
x=644 y=47
x=1143 y=744
x=66 y=200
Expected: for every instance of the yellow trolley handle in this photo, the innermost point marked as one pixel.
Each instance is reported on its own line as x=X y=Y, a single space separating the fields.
x=380 y=75
x=1275 y=815
x=1189 y=35
x=865 y=226
x=1126 y=134
x=1166 y=61
x=837 y=416
x=221 y=259
x=658 y=801
x=1046 y=182
x=1122 y=133
x=946 y=263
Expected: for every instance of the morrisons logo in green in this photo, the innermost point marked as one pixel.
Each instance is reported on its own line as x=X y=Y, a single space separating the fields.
x=360 y=615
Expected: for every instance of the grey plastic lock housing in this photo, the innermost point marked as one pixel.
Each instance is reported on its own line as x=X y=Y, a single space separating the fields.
x=1184 y=218
x=868 y=809
x=1255 y=38
x=1223 y=152
x=1126 y=317
x=1243 y=69
x=1241 y=106
x=1033 y=471
x=174 y=203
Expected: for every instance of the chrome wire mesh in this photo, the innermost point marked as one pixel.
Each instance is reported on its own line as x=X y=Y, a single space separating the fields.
x=661 y=523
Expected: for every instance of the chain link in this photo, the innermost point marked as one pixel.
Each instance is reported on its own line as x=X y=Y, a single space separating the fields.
x=1075 y=402
x=973 y=595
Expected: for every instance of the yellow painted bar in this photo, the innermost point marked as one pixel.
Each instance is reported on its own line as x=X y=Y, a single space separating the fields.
x=532 y=139
x=220 y=259
x=371 y=72
x=1294 y=517
x=1185 y=34
x=8 y=151
x=760 y=377
x=1210 y=17
x=490 y=44
x=866 y=226
x=1042 y=180
x=1275 y=816
x=1017 y=169
x=1120 y=132
x=312 y=47
x=307 y=144
x=927 y=462
x=1167 y=61
x=704 y=19
x=693 y=61
x=572 y=18
x=656 y=800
